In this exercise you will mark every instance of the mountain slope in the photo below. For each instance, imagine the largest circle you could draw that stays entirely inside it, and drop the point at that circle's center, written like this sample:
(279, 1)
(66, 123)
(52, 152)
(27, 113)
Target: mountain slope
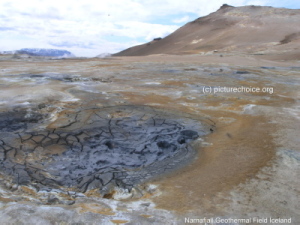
(45, 52)
(251, 29)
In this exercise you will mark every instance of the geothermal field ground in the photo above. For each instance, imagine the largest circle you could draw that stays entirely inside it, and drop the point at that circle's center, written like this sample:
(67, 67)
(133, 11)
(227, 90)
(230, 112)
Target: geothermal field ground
(156, 139)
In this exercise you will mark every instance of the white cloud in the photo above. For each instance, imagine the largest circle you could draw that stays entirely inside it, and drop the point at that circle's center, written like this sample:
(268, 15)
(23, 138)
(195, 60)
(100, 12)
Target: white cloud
(84, 26)
(182, 19)
(147, 30)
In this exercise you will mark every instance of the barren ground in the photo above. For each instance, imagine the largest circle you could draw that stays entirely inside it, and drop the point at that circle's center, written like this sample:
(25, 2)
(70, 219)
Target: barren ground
(248, 166)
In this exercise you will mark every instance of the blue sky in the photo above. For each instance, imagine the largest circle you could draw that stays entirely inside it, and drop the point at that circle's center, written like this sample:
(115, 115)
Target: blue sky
(92, 27)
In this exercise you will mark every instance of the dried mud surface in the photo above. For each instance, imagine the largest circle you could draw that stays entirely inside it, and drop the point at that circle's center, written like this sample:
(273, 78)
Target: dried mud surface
(98, 148)
(171, 150)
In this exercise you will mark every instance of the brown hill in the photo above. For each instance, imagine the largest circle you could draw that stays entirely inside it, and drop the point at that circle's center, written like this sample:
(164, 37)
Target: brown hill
(249, 29)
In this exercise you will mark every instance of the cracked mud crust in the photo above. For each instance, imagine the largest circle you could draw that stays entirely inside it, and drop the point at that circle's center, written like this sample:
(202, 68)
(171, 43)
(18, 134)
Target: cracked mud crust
(97, 148)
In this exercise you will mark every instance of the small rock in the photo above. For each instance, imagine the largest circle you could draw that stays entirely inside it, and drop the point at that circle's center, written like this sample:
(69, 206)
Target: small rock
(52, 199)
(8, 185)
(14, 187)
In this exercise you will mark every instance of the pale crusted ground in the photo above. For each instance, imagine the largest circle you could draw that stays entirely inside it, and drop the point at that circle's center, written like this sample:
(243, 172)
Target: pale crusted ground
(248, 167)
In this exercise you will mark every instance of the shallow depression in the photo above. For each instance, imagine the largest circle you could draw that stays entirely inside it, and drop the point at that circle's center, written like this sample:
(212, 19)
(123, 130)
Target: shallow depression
(100, 148)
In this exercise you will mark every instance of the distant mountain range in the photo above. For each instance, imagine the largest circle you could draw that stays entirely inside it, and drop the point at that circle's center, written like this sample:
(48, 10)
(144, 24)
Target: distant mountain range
(45, 52)
(247, 29)
(41, 52)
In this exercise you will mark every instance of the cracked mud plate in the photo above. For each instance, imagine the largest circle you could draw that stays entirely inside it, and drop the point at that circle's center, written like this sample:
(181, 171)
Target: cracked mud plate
(96, 148)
